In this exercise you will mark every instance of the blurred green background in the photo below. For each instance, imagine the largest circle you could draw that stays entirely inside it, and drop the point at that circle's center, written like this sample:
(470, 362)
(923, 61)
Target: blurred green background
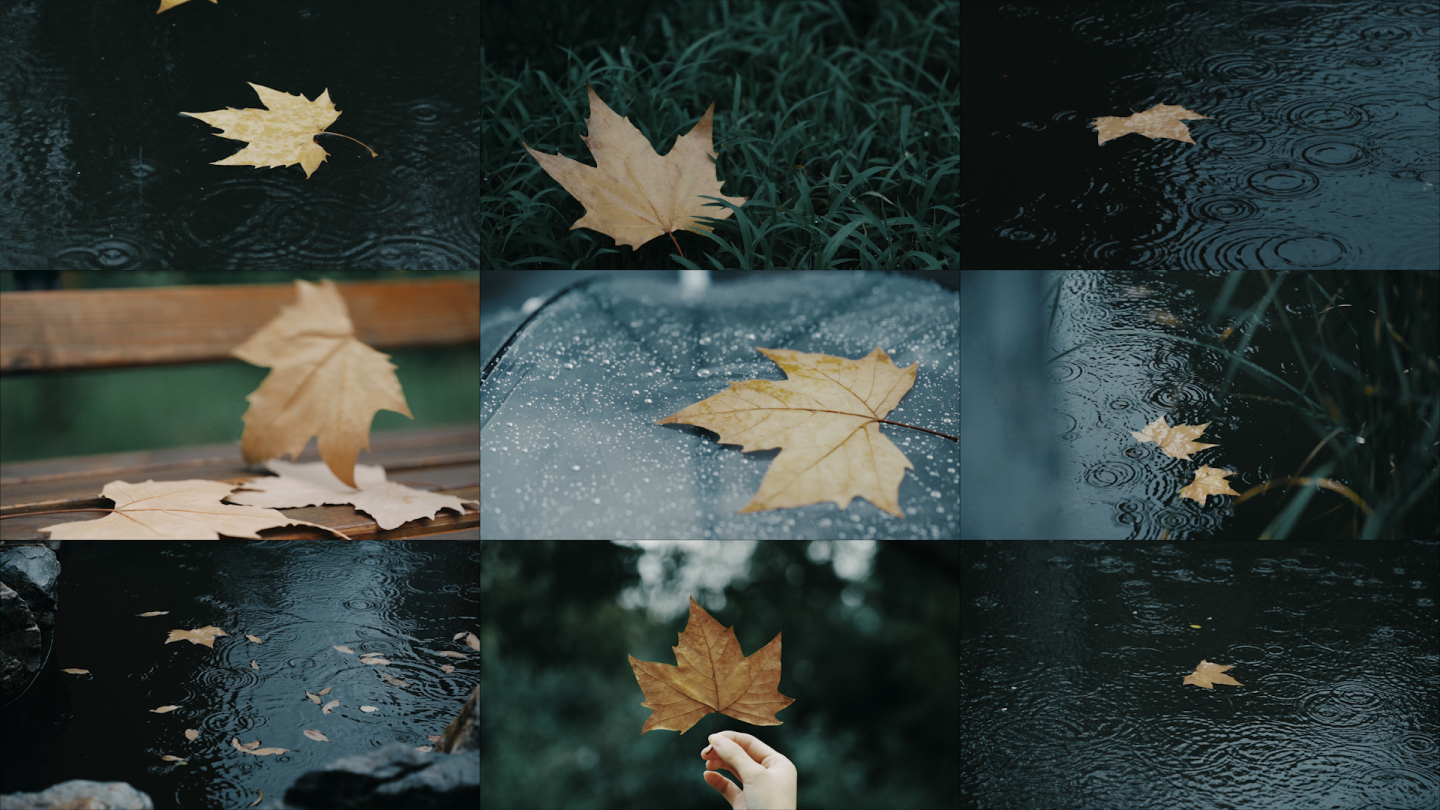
(870, 653)
(149, 408)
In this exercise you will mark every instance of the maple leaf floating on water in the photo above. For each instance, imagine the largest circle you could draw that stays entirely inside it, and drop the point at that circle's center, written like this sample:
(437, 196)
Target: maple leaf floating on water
(282, 135)
(323, 382)
(200, 635)
(1160, 121)
(632, 194)
(166, 5)
(713, 676)
(1175, 442)
(1208, 673)
(174, 510)
(824, 418)
(1208, 481)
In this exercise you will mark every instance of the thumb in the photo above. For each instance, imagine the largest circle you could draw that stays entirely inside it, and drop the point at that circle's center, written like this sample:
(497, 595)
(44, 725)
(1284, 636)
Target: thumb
(736, 757)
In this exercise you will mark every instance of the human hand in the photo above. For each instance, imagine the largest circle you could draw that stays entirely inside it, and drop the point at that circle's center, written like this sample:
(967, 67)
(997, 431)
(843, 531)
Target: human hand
(769, 777)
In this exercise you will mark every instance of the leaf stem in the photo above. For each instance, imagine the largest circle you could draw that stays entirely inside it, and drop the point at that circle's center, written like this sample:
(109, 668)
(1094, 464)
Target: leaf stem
(927, 430)
(373, 153)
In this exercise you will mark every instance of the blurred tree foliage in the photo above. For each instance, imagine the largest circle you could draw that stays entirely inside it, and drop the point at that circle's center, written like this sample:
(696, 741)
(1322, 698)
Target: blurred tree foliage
(872, 661)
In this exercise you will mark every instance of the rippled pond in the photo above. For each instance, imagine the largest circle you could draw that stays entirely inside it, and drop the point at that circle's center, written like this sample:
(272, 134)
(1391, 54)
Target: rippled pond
(1317, 151)
(1074, 693)
(402, 600)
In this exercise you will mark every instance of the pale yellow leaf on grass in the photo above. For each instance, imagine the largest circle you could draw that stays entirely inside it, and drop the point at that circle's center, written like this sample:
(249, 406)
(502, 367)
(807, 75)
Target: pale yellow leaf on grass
(77, 671)
(825, 419)
(632, 194)
(368, 709)
(315, 735)
(322, 382)
(255, 639)
(328, 706)
(155, 613)
(345, 650)
(164, 709)
(192, 734)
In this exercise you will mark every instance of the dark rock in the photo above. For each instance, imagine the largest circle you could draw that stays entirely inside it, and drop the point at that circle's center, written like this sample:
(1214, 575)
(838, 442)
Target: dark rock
(27, 615)
(80, 794)
(395, 777)
(463, 733)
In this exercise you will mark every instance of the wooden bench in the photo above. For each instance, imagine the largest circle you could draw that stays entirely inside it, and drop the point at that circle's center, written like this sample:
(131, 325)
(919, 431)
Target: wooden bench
(55, 330)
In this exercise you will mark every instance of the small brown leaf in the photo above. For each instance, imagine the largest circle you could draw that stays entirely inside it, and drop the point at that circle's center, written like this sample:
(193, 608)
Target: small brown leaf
(315, 735)
(259, 752)
(376, 661)
(164, 709)
(77, 671)
(254, 665)
(192, 734)
(325, 691)
(368, 709)
(446, 668)
(251, 746)
(449, 654)
(1160, 121)
(424, 749)
(472, 642)
(314, 698)
(435, 738)
(328, 706)
(391, 680)
(255, 639)
(155, 613)
(1175, 442)
(1207, 673)
(345, 650)
(169, 758)
(257, 800)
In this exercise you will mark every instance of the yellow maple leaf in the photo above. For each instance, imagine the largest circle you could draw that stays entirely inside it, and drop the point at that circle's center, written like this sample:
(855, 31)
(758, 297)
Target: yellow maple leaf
(1160, 121)
(1175, 442)
(1208, 481)
(174, 510)
(323, 382)
(282, 135)
(1207, 673)
(825, 418)
(166, 5)
(200, 635)
(632, 194)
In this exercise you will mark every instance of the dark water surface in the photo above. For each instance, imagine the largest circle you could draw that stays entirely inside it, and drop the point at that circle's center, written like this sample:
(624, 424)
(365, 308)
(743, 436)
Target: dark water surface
(1074, 695)
(99, 171)
(404, 600)
(1321, 149)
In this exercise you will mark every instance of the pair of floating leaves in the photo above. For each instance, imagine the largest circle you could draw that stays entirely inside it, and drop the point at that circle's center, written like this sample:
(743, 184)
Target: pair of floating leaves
(1179, 442)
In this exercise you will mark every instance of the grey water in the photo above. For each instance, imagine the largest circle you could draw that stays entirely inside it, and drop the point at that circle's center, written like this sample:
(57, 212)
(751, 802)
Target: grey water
(403, 600)
(1075, 654)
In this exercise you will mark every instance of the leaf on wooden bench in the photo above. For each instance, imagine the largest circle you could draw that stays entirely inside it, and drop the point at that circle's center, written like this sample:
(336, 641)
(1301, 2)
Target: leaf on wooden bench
(312, 484)
(175, 510)
(323, 382)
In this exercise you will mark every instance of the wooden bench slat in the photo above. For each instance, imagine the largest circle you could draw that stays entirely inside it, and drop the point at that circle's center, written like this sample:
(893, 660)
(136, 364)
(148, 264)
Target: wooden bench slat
(446, 457)
(52, 330)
